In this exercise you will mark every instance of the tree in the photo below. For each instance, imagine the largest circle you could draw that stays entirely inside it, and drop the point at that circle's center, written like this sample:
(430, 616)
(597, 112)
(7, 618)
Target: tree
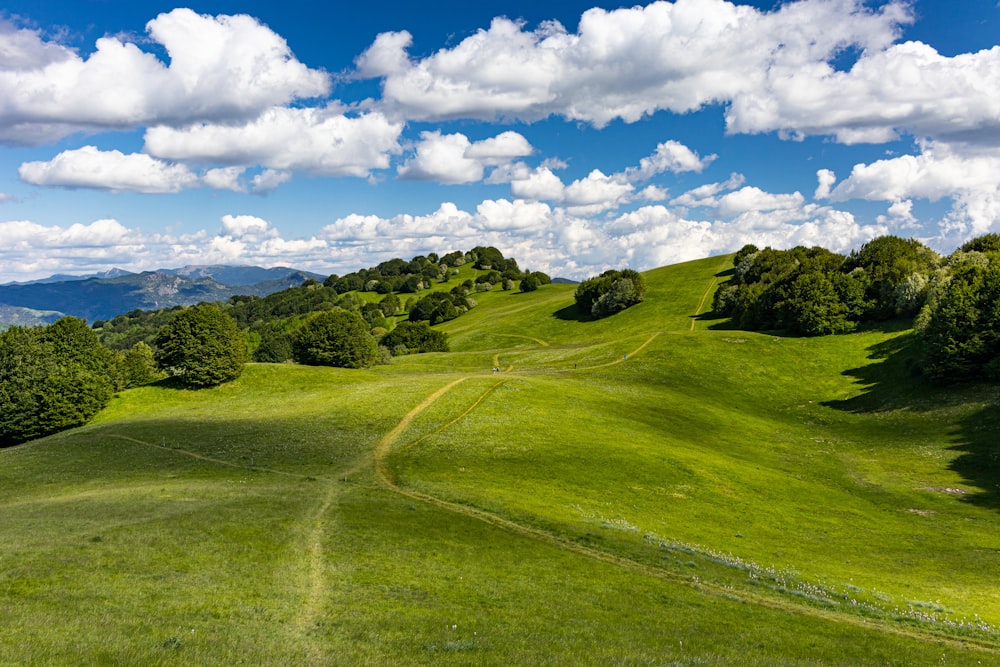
(51, 378)
(984, 243)
(621, 295)
(335, 338)
(201, 347)
(961, 340)
(438, 307)
(390, 305)
(416, 337)
(138, 366)
(610, 292)
(888, 262)
(814, 308)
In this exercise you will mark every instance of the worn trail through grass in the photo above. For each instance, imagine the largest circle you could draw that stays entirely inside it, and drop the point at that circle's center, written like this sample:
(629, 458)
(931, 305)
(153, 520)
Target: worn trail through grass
(708, 290)
(385, 476)
(315, 582)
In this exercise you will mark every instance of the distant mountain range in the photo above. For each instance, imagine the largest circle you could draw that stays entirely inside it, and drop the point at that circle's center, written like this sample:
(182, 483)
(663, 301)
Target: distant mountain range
(102, 296)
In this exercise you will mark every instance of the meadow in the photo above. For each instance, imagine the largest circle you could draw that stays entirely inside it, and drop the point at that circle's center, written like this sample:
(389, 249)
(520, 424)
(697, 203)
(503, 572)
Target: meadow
(648, 489)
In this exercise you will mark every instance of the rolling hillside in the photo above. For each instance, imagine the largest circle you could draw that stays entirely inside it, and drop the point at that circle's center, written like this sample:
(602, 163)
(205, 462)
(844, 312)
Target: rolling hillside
(100, 297)
(650, 488)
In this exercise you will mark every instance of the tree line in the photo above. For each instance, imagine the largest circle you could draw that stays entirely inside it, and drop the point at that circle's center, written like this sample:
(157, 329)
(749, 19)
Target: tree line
(59, 376)
(953, 301)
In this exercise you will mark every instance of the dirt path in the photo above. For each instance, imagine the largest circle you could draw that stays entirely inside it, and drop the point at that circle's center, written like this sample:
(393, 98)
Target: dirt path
(314, 580)
(532, 338)
(704, 297)
(209, 459)
(625, 356)
(543, 536)
(382, 448)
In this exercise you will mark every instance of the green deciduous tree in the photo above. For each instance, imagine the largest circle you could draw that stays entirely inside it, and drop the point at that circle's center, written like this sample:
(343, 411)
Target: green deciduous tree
(51, 378)
(335, 338)
(138, 366)
(610, 292)
(961, 338)
(415, 337)
(201, 347)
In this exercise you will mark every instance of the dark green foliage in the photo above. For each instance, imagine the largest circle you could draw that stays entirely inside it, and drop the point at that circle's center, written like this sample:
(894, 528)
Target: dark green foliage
(744, 252)
(390, 305)
(335, 338)
(51, 379)
(122, 332)
(275, 347)
(415, 337)
(439, 307)
(373, 315)
(487, 258)
(812, 291)
(201, 347)
(529, 283)
(814, 307)
(985, 243)
(889, 261)
(961, 339)
(610, 292)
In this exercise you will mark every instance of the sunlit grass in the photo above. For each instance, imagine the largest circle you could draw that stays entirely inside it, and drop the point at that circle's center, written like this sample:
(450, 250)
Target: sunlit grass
(718, 498)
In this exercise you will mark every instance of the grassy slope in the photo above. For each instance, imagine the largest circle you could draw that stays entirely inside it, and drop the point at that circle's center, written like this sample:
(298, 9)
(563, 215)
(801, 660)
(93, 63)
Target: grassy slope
(673, 508)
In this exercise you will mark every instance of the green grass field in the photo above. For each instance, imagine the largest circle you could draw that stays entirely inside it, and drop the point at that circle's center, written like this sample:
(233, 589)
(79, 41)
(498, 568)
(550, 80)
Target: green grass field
(648, 489)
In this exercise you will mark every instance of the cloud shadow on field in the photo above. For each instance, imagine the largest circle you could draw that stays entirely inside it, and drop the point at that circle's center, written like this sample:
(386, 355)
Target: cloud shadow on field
(893, 382)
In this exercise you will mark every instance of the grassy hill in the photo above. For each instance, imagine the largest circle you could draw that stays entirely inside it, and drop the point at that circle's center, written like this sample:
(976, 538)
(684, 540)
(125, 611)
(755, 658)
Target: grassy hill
(645, 489)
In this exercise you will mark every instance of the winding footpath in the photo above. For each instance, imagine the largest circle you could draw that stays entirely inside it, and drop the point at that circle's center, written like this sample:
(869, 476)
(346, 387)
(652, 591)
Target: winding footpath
(316, 579)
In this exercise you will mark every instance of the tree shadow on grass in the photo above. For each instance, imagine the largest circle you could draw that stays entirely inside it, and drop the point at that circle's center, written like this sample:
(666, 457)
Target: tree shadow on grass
(978, 438)
(573, 313)
(893, 383)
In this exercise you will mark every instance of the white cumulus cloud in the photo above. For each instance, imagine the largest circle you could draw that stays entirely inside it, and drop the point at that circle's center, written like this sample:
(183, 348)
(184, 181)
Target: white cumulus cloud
(316, 140)
(89, 167)
(624, 63)
(221, 68)
(453, 158)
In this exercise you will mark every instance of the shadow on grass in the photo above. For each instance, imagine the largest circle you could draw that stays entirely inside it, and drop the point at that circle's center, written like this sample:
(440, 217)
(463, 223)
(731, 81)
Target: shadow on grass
(573, 313)
(892, 382)
(978, 438)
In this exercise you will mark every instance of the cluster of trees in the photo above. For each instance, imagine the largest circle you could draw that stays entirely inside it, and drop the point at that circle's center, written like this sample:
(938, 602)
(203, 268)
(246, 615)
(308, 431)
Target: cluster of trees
(59, 376)
(610, 292)
(959, 324)
(954, 301)
(400, 276)
(380, 295)
(813, 291)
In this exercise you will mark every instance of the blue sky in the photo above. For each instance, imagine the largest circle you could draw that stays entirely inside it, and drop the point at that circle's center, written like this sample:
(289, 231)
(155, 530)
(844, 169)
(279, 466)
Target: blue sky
(574, 136)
